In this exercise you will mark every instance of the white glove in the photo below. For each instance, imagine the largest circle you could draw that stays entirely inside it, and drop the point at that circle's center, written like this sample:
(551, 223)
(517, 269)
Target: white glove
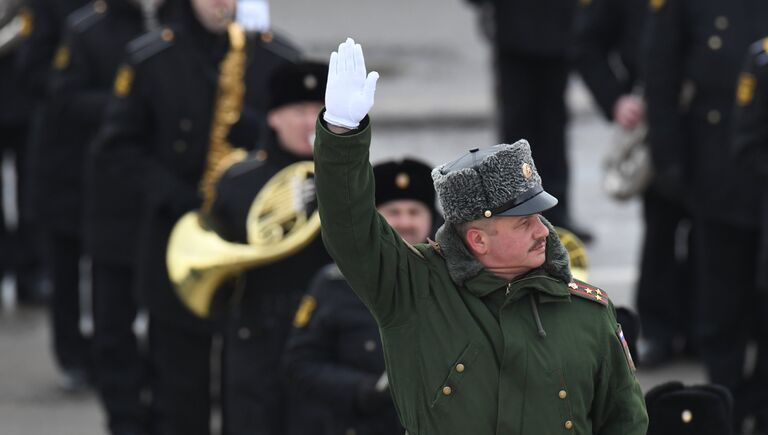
(349, 92)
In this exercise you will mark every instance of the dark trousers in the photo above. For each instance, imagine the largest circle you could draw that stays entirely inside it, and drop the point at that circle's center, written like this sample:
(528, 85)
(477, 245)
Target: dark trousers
(180, 380)
(120, 367)
(732, 313)
(531, 100)
(71, 348)
(665, 296)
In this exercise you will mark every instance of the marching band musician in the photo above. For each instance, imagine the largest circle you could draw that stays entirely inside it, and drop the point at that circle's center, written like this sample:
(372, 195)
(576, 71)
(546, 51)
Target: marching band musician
(95, 38)
(157, 135)
(266, 297)
(334, 355)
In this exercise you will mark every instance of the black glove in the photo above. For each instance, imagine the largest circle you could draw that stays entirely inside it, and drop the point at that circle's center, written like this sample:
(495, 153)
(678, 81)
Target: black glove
(370, 400)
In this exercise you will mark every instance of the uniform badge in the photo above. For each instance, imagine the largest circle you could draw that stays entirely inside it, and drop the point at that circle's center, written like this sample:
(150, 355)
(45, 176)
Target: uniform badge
(402, 180)
(304, 313)
(61, 58)
(745, 91)
(27, 22)
(527, 171)
(310, 82)
(123, 81)
(656, 5)
(625, 346)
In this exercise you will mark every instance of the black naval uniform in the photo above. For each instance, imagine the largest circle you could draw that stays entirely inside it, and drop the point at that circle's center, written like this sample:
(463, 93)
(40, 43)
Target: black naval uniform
(607, 33)
(750, 143)
(531, 41)
(335, 358)
(93, 48)
(156, 136)
(62, 246)
(260, 318)
(695, 51)
(18, 255)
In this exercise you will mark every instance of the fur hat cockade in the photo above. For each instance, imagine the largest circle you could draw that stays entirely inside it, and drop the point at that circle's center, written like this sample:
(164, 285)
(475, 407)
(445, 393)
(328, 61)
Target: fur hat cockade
(498, 180)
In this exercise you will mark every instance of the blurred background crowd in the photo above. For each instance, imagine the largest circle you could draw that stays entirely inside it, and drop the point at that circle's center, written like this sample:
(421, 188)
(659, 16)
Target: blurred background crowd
(648, 119)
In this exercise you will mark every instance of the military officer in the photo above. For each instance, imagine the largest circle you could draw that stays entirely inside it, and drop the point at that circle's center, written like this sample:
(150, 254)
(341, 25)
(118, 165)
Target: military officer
(95, 39)
(484, 331)
(695, 50)
(260, 318)
(335, 354)
(607, 31)
(156, 137)
(750, 143)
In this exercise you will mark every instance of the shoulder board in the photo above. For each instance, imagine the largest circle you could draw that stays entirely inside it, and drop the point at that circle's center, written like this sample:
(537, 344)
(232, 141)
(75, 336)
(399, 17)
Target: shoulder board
(436, 247)
(332, 272)
(414, 250)
(84, 18)
(278, 45)
(586, 291)
(150, 43)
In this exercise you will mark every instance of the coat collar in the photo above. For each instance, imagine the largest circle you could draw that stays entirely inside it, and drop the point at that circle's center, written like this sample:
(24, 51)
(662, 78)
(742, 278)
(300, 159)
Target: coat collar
(467, 272)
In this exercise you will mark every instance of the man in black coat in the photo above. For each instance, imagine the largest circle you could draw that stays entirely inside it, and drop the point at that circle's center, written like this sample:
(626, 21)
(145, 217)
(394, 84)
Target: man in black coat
(607, 54)
(334, 356)
(61, 248)
(93, 46)
(750, 144)
(695, 52)
(259, 319)
(530, 48)
(156, 136)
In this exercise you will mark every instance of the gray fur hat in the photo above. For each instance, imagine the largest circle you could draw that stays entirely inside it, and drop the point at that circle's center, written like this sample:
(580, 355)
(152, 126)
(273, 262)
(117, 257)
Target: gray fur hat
(498, 180)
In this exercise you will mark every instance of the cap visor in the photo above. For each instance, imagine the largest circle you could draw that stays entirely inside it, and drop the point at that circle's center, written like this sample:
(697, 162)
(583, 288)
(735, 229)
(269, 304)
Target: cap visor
(537, 204)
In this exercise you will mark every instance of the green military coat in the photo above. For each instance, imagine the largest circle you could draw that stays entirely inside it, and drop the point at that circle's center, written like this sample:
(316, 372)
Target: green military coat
(467, 352)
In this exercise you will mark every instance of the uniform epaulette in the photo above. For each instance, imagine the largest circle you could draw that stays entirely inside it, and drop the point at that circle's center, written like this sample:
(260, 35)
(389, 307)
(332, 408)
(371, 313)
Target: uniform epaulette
(84, 18)
(332, 272)
(150, 43)
(586, 291)
(278, 45)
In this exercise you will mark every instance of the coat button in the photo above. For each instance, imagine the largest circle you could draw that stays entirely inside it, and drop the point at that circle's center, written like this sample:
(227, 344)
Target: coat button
(262, 155)
(447, 391)
(185, 125)
(370, 345)
(180, 146)
(687, 416)
(244, 333)
(569, 425)
(721, 22)
(562, 394)
(713, 117)
(460, 368)
(715, 42)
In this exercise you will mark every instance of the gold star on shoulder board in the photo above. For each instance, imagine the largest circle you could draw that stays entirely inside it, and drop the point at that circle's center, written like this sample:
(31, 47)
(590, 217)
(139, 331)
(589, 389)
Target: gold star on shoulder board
(589, 291)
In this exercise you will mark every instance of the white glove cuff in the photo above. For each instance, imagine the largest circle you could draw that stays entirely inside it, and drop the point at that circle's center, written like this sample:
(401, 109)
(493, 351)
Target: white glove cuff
(339, 122)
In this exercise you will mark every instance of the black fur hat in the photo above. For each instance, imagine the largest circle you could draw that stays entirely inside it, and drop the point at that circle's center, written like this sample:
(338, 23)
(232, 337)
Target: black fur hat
(406, 179)
(296, 83)
(674, 409)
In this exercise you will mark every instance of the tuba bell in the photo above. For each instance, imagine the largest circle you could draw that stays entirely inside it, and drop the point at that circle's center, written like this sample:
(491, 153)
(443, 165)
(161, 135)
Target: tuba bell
(281, 220)
(577, 253)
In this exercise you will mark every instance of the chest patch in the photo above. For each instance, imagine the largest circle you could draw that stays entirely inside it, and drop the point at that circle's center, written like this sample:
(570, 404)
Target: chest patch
(625, 347)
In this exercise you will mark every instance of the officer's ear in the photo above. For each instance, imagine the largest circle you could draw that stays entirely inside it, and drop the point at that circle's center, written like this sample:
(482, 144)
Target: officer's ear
(476, 240)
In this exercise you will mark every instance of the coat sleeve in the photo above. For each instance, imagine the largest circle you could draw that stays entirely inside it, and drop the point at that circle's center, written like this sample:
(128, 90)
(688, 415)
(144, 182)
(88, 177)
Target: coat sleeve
(378, 264)
(618, 406)
(665, 56)
(72, 86)
(597, 30)
(126, 143)
(309, 359)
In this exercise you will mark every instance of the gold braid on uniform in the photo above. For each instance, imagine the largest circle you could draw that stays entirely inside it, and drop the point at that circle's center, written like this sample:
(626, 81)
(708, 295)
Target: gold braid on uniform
(226, 112)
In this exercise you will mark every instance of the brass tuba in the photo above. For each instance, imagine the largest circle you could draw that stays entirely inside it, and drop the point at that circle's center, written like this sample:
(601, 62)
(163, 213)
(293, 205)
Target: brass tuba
(279, 224)
(577, 253)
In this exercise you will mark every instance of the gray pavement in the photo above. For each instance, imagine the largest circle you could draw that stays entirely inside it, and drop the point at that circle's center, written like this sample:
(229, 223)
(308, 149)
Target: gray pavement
(434, 101)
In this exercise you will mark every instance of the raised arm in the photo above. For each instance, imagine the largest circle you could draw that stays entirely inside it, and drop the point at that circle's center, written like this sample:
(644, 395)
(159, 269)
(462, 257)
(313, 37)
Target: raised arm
(371, 255)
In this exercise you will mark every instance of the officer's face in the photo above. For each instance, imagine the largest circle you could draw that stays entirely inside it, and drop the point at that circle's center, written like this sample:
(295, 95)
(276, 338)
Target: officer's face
(411, 219)
(294, 125)
(510, 245)
(214, 15)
